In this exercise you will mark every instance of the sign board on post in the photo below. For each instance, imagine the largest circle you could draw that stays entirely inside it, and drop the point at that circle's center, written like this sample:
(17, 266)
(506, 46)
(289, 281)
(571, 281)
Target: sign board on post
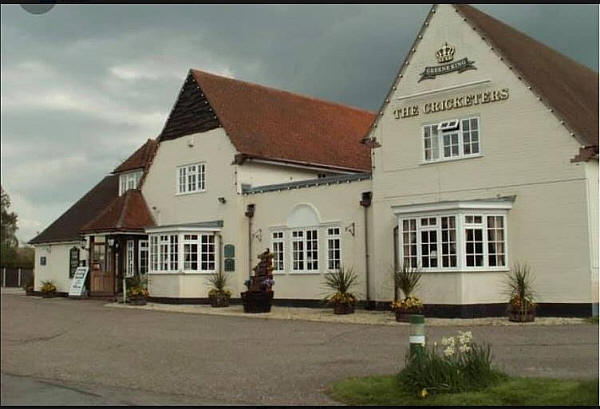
(78, 283)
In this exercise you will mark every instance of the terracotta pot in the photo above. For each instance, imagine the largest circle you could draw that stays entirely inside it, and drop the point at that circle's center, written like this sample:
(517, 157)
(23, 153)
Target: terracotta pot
(219, 301)
(137, 300)
(343, 308)
(257, 301)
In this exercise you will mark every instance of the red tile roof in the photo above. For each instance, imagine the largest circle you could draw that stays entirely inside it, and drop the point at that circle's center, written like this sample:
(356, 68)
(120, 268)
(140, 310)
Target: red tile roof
(140, 158)
(128, 212)
(66, 227)
(569, 88)
(276, 125)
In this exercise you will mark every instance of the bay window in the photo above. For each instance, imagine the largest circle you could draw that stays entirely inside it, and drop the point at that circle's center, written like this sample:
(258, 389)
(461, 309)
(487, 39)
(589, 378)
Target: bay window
(456, 236)
(451, 139)
(183, 252)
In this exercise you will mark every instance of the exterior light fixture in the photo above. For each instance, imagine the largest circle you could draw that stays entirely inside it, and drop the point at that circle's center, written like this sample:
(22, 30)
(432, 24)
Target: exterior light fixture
(222, 200)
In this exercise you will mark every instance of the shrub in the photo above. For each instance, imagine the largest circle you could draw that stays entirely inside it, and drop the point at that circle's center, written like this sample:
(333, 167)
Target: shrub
(48, 287)
(462, 366)
(341, 281)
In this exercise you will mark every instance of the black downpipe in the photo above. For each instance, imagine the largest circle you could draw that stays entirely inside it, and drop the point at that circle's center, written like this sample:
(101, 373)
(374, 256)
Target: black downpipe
(366, 203)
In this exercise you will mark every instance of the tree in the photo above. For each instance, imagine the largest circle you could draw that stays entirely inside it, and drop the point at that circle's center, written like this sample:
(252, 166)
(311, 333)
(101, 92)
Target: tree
(8, 228)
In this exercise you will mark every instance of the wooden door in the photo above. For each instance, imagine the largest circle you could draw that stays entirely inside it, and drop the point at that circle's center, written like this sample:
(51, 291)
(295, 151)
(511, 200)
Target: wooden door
(102, 280)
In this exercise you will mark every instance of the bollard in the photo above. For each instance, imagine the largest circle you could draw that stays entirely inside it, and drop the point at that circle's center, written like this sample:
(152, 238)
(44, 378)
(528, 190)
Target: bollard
(417, 333)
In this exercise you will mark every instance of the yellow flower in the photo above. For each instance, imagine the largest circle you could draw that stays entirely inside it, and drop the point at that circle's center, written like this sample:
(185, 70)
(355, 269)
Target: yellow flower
(423, 393)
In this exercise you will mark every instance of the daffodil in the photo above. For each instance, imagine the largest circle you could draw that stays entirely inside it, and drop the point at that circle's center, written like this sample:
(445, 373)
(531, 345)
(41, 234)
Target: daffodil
(423, 393)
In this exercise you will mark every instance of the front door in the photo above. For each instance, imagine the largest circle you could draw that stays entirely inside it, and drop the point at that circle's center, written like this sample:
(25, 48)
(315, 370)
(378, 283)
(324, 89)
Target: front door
(102, 280)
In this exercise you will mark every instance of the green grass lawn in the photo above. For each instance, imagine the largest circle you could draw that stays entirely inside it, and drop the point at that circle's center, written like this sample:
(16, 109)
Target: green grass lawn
(385, 391)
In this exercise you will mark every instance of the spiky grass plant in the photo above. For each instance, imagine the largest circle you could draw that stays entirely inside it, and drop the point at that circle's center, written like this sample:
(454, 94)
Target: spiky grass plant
(519, 288)
(218, 280)
(407, 279)
(341, 281)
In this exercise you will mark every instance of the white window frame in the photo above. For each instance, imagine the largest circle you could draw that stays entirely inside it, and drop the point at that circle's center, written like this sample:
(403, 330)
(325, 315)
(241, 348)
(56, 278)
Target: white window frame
(304, 241)
(130, 268)
(198, 177)
(440, 140)
(278, 238)
(176, 243)
(332, 237)
(143, 247)
(129, 180)
(460, 211)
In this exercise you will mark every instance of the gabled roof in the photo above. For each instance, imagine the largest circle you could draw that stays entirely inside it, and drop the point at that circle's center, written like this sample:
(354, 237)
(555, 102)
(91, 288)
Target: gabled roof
(569, 88)
(140, 158)
(271, 124)
(66, 227)
(126, 213)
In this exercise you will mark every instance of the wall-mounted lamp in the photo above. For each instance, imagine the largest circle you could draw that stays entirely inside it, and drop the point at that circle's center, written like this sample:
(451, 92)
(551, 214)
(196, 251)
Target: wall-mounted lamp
(111, 242)
(258, 235)
(350, 228)
(222, 200)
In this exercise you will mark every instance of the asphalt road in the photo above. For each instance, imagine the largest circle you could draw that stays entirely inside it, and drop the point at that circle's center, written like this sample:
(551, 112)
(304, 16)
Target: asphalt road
(80, 351)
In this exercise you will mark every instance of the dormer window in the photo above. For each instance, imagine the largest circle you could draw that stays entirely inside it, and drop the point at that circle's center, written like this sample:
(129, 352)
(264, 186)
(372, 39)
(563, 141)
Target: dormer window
(451, 139)
(129, 180)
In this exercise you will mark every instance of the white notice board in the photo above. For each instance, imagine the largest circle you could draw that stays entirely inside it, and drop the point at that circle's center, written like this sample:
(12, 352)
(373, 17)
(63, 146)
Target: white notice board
(78, 283)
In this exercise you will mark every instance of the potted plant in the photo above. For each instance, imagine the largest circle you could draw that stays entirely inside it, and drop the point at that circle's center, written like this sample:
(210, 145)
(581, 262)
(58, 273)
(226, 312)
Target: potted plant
(341, 281)
(28, 286)
(218, 295)
(48, 289)
(519, 287)
(137, 291)
(407, 280)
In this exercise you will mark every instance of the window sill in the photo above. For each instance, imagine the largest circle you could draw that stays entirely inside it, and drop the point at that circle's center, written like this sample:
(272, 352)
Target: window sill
(480, 155)
(300, 273)
(190, 193)
(468, 270)
(180, 273)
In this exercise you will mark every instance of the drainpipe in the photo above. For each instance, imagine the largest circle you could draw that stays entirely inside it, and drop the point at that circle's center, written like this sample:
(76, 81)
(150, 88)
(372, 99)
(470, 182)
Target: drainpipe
(249, 214)
(366, 203)
(395, 263)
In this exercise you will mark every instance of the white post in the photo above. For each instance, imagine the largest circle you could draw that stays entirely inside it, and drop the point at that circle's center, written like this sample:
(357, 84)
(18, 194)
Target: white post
(19, 278)
(4, 277)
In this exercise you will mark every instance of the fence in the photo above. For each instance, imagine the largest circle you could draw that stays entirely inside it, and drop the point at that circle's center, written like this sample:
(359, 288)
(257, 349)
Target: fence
(16, 277)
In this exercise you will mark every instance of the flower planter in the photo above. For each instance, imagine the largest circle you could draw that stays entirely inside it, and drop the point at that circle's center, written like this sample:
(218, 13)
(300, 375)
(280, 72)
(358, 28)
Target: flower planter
(219, 301)
(343, 308)
(518, 317)
(137, 300)
(48, 294)
(404, 316)
(257, 301)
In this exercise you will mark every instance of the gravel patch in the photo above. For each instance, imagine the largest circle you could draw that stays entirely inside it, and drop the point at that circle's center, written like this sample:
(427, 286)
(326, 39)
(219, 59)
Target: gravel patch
(359, 317)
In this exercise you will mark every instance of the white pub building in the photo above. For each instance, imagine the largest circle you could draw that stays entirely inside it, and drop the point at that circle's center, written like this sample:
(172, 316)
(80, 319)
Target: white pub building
(484, 153)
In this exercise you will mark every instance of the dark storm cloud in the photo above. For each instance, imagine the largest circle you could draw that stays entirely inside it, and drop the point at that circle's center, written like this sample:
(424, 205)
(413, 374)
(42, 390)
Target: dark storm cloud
(84, 85)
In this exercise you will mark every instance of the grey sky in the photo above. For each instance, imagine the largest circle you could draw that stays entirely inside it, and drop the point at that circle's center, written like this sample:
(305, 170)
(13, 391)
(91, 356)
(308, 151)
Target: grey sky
(84, 85)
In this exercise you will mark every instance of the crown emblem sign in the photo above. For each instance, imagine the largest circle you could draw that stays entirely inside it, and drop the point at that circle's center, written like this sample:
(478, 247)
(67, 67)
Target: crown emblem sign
(445, 54)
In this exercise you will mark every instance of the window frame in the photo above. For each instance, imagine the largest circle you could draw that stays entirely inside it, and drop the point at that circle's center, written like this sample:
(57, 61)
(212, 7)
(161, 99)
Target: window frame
(304, 241)
(199, 179)
(71, 269)
(281, 240)
(126, 177)
(440, 140)
(143, 247)
(332, 237)
(460, 243)
(178, 246)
